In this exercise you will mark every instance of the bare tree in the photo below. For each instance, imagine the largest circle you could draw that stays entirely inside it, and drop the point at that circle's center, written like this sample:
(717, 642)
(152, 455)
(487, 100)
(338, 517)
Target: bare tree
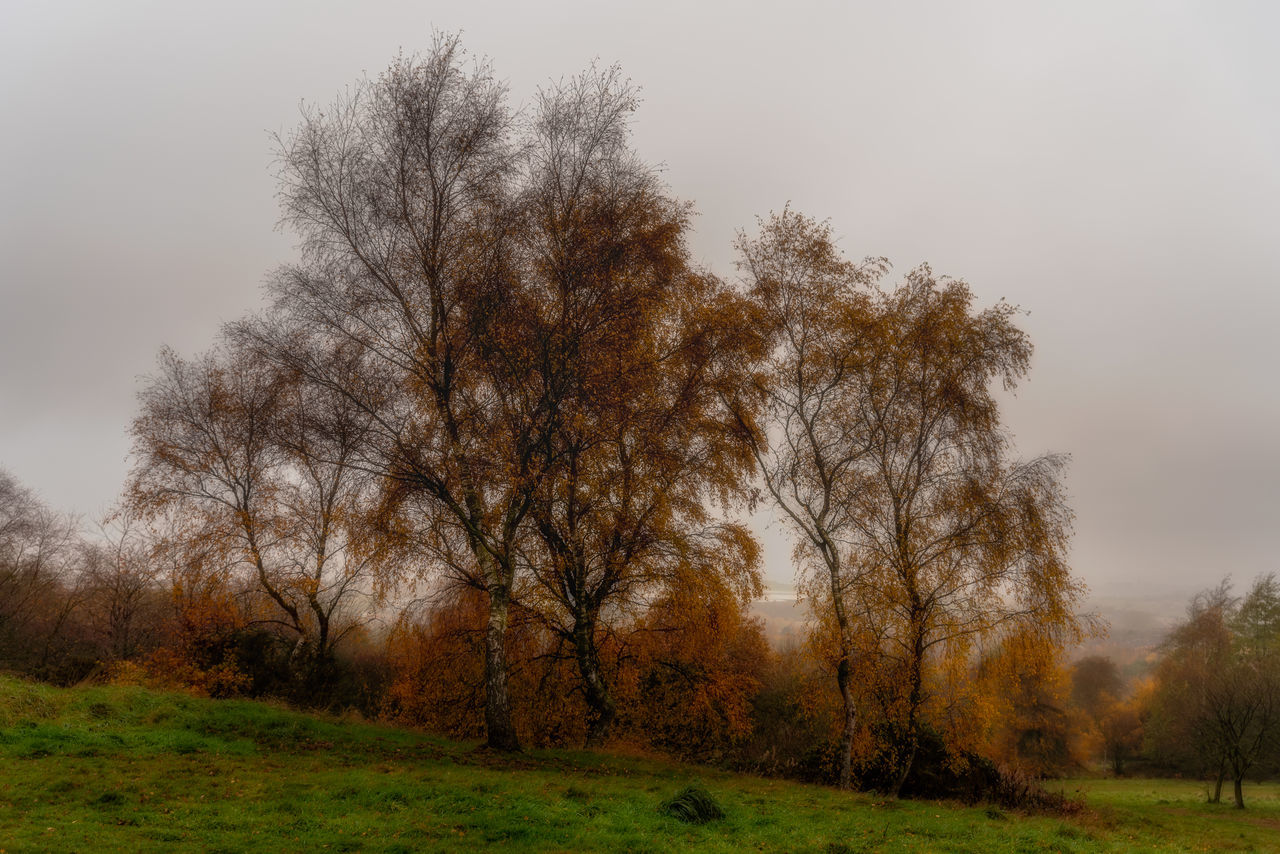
(257, 474)
(408, 305)
(39, 589)
(124, 602)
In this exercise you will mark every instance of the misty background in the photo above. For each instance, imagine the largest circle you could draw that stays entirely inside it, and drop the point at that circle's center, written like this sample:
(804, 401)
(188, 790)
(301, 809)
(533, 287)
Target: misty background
(1110, 167)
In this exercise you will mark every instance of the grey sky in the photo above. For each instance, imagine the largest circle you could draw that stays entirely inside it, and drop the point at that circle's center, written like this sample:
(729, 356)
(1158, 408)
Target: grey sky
(1114, 168)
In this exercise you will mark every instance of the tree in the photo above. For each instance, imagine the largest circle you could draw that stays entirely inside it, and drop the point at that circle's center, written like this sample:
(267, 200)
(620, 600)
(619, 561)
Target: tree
(1217, 696)
(1095, 684)
(124, 601)
(957, 540)
(1121, 727)
(1098, 689)
(256, 471)
(1256, 622)
(891, 460)
(408, 303)
(39, 588)
(694, 662)
(1031, 728)
(812, 303)
(519, 318)
(644, 352)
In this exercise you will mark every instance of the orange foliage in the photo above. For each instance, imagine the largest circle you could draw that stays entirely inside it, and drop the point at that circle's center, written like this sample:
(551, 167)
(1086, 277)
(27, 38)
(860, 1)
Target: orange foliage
(1031, 726)
(197, 643)
(1121, 729)
(692, 667)
(438, 676)
(437, 666)
(685, 674)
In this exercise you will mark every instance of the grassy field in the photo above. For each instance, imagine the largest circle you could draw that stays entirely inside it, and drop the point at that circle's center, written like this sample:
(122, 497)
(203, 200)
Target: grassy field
(125, 769)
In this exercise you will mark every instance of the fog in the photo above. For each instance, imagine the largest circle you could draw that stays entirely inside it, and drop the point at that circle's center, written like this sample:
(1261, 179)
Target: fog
(1111, 168)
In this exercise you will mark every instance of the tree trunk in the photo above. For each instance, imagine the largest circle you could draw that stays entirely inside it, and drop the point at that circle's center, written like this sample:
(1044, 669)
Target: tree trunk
(913, 704)
(905, 770)
(501, 733)
(599, 698)
(1239, 792)
(843, 679)
(1217, 788)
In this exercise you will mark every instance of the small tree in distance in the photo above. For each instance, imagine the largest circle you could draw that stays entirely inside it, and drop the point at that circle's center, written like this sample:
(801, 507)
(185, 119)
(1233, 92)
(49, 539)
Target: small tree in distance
(1216, 703)
(123, 597)
(39, 591)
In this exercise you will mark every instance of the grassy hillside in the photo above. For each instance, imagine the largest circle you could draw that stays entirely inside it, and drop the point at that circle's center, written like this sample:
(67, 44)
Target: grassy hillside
(127, 769)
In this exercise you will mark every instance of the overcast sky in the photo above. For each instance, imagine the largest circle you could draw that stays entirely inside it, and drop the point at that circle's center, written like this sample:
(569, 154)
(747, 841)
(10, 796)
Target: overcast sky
(1113, 168)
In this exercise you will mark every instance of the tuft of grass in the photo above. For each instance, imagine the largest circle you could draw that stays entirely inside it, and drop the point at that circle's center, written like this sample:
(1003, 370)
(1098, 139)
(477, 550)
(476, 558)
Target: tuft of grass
(102, 711)
(693, 805)
(108, 799)
(24, 703)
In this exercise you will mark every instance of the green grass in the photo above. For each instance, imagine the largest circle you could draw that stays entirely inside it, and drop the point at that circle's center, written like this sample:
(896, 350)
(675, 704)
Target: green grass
(1179, 810)
(126, 769)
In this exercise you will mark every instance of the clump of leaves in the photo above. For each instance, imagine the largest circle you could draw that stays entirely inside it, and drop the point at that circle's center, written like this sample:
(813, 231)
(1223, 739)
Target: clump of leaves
(693, 805)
